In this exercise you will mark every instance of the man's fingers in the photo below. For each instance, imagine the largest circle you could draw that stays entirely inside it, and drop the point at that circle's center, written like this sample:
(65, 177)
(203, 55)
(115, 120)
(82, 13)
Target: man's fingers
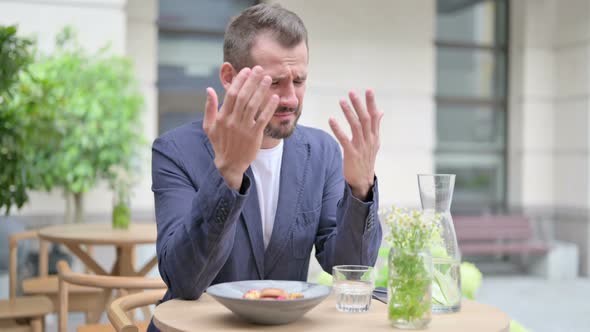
(246, 92)
(257, 99)
(232, 93)
(339, 133)
(378, 126)
(210, 109)
(374, 113)
(361, 112)
(353, 121)
(267, 112)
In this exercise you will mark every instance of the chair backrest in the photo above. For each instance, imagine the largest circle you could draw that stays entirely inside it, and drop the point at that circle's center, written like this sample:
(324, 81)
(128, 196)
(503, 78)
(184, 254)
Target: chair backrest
(67, 276)
(118, 309)
(13, 260)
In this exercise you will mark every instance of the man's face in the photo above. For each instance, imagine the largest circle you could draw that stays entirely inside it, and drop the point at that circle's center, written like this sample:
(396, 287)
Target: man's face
(288, 69)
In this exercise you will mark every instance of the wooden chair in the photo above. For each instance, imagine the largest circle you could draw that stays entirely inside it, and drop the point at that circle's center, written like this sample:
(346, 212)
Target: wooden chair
(24, 314)
(118, 309)
(82, 299)
(108, 283)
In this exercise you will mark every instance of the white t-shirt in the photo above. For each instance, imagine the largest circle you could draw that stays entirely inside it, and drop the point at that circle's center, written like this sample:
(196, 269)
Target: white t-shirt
(267, 175)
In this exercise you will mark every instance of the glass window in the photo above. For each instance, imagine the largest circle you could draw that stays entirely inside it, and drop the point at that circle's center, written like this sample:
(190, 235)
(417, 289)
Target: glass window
(470, 128)
(478, 184)
(471, 21)
(471, 67)
(190, 52)
(464, 72)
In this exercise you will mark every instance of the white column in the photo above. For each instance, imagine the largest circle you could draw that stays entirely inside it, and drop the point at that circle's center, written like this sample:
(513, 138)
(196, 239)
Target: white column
(141, 47)
(572, 124)
(389, 46)
(531, 112)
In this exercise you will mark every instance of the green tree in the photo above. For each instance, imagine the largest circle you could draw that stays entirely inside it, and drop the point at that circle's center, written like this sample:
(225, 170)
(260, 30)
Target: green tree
(15, 55)
(83, 116)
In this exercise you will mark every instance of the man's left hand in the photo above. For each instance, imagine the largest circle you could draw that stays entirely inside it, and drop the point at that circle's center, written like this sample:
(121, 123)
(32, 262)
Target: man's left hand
(360, 152)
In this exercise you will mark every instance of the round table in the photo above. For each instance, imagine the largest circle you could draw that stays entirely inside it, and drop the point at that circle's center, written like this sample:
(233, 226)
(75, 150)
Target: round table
(74, 236)
(77, 238)
(206, 314)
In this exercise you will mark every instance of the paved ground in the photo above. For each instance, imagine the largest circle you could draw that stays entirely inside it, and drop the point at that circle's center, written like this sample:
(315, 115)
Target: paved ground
(538, 304)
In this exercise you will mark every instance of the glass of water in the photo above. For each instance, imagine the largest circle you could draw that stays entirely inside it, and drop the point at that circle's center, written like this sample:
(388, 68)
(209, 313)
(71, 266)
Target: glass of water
(353, 286)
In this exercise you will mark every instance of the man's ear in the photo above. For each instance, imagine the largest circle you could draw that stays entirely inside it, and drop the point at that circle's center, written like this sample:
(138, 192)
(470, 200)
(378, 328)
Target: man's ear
(227, 74)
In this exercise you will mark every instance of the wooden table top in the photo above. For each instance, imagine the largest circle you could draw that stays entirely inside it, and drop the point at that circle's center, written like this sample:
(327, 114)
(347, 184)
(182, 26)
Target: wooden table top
(208, 315)
(100, 234)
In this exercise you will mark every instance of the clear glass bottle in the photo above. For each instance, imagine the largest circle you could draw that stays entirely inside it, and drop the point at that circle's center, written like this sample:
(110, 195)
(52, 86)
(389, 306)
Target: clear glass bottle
(409, 285)
(121, 217)
(436, 194)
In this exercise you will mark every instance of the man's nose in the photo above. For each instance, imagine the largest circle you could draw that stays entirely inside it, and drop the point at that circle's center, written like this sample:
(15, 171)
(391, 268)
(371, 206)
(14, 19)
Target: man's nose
(288, 97)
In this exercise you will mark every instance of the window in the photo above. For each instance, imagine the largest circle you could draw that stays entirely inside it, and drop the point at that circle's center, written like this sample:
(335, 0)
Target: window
(190, 52)
(471, 101)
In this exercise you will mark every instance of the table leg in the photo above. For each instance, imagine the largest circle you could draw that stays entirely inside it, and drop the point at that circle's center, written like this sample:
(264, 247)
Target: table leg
(126, 267)
(125, 261)
(93, 316)
(36, 325)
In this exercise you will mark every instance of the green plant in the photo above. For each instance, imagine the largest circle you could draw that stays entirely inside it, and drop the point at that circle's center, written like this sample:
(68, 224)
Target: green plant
(410, 263)
(87, 112)
(15, 55)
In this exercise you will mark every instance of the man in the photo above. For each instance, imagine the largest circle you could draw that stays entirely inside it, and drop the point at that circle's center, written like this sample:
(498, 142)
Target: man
(247, 193)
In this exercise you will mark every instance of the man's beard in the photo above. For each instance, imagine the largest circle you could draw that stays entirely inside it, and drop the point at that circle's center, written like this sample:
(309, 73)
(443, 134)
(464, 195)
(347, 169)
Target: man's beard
(284, 129)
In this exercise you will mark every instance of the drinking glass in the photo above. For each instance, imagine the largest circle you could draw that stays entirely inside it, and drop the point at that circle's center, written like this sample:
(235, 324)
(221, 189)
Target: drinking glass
(353, 286)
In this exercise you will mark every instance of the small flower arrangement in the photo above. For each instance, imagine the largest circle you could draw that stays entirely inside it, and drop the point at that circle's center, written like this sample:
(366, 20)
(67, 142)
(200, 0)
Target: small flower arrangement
(411, 229)
(410, 266)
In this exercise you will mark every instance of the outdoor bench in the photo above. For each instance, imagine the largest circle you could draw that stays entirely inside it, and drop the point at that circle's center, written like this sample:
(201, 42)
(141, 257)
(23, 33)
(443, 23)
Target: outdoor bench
(497, 235)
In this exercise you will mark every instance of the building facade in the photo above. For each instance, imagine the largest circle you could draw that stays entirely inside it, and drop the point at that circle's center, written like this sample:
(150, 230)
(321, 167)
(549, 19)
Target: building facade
(527, 106)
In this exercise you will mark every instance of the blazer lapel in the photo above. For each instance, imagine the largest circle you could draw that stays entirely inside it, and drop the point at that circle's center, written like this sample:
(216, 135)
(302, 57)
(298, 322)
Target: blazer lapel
(294, 165)
(252, 219)
(253, 222)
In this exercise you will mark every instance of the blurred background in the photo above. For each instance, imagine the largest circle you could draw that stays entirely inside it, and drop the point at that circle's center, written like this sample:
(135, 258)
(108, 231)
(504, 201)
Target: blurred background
(494, 91)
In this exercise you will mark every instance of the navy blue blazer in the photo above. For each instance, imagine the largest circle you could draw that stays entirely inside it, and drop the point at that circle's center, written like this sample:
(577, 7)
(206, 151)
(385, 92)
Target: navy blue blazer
(209, 233)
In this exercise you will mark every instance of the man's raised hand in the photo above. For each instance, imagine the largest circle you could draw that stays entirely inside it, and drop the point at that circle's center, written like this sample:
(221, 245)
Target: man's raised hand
(360, 152)
(237, 129)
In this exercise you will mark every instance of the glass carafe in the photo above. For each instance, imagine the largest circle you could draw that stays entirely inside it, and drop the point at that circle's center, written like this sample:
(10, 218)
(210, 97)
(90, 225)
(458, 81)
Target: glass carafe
(436, 194)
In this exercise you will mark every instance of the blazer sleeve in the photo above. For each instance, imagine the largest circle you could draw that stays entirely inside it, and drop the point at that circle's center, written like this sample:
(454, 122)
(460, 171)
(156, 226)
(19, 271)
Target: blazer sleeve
(196, 221)
(349, 230)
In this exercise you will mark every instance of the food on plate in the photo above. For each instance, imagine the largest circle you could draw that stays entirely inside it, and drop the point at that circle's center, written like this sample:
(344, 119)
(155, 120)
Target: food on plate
(271, 294)
(252, 294)
(274, 293)
(294, 296)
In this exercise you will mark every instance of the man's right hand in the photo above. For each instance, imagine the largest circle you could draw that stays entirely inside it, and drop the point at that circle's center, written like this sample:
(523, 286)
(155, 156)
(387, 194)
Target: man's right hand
(236, 131)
